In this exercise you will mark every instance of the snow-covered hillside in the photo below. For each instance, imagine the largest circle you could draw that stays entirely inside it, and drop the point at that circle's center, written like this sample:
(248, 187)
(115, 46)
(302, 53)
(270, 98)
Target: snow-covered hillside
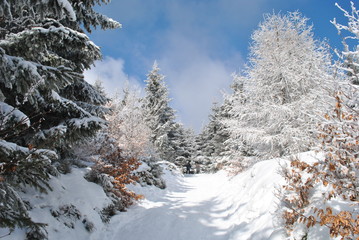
(70, 210)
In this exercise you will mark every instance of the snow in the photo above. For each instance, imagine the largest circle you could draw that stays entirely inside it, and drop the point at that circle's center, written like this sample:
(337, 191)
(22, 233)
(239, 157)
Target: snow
(192, 207)
(8, 148)
(85, 122)
(8, 112)
(67, 5)
(70, 189)
(205, 206)
(143, 167)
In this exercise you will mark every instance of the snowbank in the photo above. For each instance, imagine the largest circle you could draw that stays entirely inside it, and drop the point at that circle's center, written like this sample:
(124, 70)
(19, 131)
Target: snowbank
(71, 210)
(251, 203)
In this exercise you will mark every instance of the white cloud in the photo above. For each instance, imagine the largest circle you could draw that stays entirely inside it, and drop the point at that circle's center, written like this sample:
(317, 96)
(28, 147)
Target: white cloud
(195, 79)
(190, 57)
(111, 72)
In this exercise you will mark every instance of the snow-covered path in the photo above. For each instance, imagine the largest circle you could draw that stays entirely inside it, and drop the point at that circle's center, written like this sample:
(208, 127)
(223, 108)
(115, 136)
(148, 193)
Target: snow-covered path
(189, 212)
(203, 207)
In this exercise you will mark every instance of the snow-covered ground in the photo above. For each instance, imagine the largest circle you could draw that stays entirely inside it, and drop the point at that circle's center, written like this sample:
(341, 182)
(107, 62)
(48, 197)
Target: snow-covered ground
(192, 207)
(205, 206)
(78, 201)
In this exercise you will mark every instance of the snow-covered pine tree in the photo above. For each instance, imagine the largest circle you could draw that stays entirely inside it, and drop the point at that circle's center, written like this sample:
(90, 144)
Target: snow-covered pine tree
(214, 133)
(204, 148)
(183, 146)
(98, 85)
(45, 104)
(220, 131)
(160, 117)
(282, 88)
(188, 143)
(210, 143)
(235, 144)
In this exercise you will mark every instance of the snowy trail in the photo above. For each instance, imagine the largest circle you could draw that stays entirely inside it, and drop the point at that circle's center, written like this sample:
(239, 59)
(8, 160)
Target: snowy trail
(191, 211)
(203, 207)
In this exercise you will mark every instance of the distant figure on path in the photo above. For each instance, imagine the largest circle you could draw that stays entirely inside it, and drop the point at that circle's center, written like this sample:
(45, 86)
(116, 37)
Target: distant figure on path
(188, 167)
(198, 168)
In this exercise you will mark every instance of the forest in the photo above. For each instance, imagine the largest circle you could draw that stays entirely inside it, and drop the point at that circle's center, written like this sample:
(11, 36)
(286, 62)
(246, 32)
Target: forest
(296, 95)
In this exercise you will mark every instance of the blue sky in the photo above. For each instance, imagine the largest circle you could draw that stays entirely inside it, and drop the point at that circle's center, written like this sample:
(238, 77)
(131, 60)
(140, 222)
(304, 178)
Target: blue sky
(197, 43)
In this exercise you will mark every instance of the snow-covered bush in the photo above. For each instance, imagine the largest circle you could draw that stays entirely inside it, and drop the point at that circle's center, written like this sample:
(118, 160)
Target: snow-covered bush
(67, 214)
(326, 192)
(113, 172)
(150, 173)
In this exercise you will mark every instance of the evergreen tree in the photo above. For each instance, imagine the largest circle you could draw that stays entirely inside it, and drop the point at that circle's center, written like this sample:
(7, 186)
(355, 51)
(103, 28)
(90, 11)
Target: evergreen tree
(183, 144)
(211, 142)
(204, 143)
(275, 114)
(204, 149)
(214, 134)
(160, 117)
(219, 130)
(98, 85)
(45, 104)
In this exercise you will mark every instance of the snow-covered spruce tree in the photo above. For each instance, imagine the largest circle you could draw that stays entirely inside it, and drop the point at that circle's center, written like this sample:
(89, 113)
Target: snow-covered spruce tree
(183, 144)
(160, 117)
(98, 85)
(201, 154)
(283, 88)
(211, 141)
(21, 166)
(45, 103)
(217, 129)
